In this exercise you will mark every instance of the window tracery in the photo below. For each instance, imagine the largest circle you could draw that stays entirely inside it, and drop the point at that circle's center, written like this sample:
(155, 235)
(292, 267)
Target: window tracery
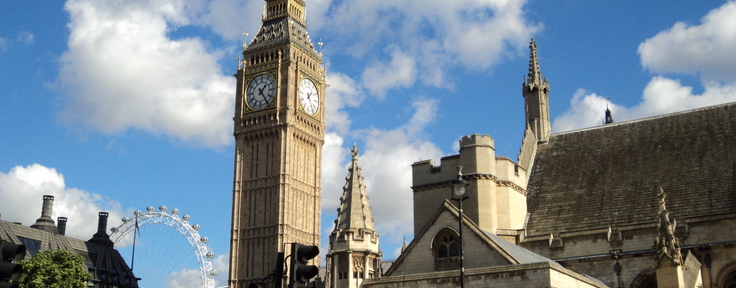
(446, 246)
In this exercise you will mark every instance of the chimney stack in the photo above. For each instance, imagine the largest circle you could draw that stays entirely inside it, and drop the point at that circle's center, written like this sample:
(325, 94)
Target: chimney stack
(101, 236)
(45, 222)
(62, 225)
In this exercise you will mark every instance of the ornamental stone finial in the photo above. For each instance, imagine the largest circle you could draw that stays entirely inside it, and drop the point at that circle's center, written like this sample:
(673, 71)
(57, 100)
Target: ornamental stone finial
(354, 152)
(666, 243)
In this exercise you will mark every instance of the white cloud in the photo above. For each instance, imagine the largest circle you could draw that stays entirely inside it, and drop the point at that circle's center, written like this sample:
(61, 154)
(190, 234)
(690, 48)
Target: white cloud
(334, 170)
(22, 190)
(400, 72)
(436, 34)
(190, 278)
(662, 95)
(343, 92)
(123, 71)
(707, 48)
(226, 17)
(25, 37)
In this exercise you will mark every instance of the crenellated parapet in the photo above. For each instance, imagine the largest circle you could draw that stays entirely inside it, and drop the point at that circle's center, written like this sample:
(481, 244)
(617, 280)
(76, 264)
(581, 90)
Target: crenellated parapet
(497, 190)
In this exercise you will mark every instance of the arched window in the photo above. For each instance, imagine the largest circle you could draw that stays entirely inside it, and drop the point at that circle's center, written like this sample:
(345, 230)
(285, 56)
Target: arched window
(446, 246)
(645, 279)
(727, 276)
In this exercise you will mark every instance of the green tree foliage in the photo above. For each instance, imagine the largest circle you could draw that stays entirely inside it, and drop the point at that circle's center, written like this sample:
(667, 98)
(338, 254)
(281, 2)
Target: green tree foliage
(54, 268)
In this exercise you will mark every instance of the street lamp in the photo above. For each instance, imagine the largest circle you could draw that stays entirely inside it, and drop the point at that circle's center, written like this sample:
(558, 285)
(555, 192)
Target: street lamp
(617, 267)
(459, 190)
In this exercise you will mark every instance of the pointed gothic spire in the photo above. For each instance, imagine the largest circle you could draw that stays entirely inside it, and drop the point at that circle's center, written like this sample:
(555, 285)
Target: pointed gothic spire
(354, 211)
(666, 244)
(535, 74)
(609, 116)
(403, 246)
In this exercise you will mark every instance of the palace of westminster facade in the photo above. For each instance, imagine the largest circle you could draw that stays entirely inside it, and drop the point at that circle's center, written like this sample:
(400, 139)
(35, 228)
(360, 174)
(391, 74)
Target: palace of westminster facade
(569, 209)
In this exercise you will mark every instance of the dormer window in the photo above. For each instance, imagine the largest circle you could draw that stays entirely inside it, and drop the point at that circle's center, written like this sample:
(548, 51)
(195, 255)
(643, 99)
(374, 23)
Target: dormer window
(446, 246)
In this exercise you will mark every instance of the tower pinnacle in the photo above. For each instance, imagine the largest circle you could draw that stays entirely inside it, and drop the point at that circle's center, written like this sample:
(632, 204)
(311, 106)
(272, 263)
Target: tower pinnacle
(535, 91)
(535, 74)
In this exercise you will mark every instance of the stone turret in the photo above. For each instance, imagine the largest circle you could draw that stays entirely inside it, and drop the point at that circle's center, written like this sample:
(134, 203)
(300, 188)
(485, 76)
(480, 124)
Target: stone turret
(536, 92)
(354, 253)
(496, 193)
(45, 222)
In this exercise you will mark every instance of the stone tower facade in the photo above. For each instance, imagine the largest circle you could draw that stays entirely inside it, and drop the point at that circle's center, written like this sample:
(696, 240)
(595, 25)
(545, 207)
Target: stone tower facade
(496, 194)
(354, 253)
(536, 92)
(279, 134)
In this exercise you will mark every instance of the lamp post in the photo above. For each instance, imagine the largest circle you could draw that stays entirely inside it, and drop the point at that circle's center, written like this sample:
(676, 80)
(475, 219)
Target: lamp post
(459, 190)
(708, 261)
(617, 267)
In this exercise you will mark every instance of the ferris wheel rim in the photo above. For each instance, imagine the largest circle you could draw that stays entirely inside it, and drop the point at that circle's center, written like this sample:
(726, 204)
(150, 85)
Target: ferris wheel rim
(182, 225)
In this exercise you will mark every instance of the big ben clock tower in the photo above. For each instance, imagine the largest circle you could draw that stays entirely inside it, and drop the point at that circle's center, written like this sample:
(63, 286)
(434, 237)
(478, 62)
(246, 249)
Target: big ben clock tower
(279, 133)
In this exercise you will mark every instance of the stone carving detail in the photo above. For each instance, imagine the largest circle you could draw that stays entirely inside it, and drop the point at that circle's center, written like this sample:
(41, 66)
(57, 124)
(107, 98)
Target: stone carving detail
(666, 243)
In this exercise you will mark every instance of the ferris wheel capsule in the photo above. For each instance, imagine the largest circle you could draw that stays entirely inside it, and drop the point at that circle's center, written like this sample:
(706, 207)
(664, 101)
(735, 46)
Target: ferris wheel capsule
(162, 208)
(196, 227)
(210, 255)
(214, 272)
(113, 229)
(175, 211)
(149, 208)
(186, 217)
(204, 240)
(125, 219)
(137, 213)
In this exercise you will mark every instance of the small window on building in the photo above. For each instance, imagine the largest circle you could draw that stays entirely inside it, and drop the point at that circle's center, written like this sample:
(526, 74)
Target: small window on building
(32, 246)
(446, 246)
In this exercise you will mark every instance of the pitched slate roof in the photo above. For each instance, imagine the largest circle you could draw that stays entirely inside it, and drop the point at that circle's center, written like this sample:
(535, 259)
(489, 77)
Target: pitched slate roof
(523, 256)
(607, 175)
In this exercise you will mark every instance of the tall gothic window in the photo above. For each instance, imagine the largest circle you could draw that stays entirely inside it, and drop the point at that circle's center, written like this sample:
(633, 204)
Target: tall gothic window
(446, 246)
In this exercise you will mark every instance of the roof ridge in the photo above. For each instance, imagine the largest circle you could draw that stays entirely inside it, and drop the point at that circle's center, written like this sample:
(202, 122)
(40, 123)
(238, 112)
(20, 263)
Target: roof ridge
(648, 118)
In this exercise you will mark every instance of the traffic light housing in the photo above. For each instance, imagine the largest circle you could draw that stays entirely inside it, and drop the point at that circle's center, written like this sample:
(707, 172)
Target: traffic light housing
(299, 271)
(10, 254)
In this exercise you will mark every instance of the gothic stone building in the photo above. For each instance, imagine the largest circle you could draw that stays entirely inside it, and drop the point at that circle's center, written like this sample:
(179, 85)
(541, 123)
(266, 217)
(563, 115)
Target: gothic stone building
(636, 204)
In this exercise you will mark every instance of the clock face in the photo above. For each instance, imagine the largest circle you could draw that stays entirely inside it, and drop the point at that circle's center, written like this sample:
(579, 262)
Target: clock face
(261, 91)
(309, 96)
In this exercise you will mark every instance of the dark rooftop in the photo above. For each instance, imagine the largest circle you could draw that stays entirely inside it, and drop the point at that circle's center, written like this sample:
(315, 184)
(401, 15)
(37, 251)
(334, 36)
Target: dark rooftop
(607, 175)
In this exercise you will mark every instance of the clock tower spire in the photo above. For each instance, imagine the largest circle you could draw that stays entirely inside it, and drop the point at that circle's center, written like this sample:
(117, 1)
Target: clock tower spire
(279, 133)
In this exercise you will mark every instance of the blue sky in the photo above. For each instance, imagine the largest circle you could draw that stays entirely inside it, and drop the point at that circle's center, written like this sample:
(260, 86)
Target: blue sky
(118, 105)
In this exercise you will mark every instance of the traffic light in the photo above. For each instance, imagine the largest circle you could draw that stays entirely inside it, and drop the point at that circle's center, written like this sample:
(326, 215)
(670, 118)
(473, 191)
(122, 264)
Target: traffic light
(10, 253)
(299, 271)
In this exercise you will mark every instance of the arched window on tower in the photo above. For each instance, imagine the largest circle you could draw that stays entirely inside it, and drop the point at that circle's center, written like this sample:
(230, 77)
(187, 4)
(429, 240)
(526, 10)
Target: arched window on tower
(446, 248)
(729, 281)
